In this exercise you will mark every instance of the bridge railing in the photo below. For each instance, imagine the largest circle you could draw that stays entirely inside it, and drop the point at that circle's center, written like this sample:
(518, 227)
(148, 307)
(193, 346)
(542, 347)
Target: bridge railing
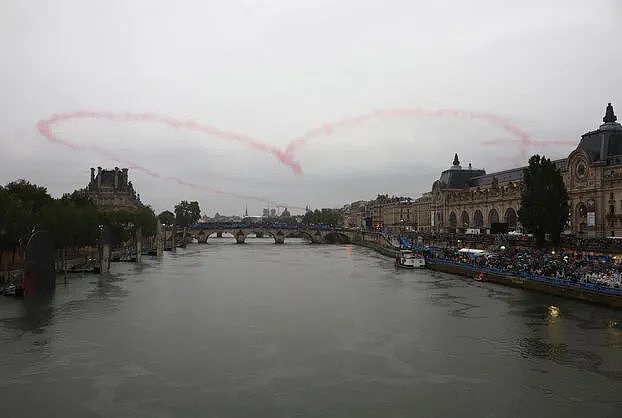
(267, 225)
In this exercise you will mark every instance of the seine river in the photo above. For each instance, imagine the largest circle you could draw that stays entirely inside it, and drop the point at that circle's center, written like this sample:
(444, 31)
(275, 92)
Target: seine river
(260, 330)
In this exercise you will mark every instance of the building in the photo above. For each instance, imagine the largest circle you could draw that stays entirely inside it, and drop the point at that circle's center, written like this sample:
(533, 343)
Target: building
(470, 198)
(110, 190)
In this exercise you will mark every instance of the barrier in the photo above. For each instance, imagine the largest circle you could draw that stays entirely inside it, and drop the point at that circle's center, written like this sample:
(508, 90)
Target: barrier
(542, 279)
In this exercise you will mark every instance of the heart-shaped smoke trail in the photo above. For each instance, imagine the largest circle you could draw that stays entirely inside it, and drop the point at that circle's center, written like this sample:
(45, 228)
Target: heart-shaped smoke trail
(288, 155)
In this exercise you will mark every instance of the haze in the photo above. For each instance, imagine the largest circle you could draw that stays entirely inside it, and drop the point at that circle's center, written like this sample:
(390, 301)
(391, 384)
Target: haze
(274, 70)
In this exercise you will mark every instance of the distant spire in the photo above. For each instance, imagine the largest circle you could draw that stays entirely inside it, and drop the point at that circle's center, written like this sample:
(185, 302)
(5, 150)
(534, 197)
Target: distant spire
(609, 115)
(456, 160)
(246, 211)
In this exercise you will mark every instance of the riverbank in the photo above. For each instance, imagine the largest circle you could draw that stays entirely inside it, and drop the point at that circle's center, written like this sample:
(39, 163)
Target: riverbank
(589, 293)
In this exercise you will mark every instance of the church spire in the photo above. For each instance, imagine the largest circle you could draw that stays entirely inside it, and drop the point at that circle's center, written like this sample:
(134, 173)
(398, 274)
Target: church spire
(456, 160)
(609, 115)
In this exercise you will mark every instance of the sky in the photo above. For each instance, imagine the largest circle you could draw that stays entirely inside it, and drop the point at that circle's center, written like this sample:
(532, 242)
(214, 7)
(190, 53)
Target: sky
(256, 103)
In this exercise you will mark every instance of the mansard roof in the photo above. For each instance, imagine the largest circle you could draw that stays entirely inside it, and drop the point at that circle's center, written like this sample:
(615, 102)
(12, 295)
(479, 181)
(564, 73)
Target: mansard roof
(459, 178)
(514, 175)
(604, 145)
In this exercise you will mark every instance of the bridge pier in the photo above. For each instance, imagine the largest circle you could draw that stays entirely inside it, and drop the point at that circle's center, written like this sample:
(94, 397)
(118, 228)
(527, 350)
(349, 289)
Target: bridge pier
(279, 238)
(160, 238)
(139, 244)
(239, 237)
(105, 248)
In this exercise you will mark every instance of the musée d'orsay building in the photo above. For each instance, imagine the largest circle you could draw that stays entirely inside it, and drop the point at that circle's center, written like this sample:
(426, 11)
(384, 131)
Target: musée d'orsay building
(464, 198)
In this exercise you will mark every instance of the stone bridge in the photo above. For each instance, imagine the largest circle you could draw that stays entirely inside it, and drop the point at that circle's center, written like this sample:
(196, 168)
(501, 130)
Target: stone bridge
(315, 235)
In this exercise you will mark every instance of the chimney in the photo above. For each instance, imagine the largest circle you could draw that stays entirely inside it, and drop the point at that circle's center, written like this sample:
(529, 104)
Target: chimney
(124, 178)
(116, 178)
(99, 178)
(92, 175)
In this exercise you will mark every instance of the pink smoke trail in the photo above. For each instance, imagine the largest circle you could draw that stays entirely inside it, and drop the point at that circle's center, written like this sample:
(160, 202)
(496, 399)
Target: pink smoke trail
(523, 138)
(534, 143)
(45, 128)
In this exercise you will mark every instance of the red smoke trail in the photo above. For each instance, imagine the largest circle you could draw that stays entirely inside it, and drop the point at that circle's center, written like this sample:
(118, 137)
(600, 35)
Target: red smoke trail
(45, 127)
(535, 143)
(523, 138)
(285, 156)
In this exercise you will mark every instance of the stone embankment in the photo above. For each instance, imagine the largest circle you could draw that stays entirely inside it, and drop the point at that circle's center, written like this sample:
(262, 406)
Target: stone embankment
(590, 293)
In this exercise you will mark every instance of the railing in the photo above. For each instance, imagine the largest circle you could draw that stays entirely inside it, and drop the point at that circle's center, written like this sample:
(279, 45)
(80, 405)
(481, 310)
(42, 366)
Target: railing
(542, 279)
(276, 225)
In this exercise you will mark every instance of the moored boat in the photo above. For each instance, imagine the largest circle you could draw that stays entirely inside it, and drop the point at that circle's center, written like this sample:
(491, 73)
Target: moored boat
(409, 260)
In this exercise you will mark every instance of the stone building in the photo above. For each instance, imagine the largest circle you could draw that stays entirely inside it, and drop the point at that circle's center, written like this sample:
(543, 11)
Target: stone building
(592, 173)
(469, 198)
(110, 190)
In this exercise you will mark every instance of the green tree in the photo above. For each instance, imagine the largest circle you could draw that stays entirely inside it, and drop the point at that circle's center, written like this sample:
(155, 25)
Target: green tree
(25, 202)
(187, 213)
(325, 216)
(123, 223)
(167, 217)
(544, 200)
(145, 217)
(12, 220)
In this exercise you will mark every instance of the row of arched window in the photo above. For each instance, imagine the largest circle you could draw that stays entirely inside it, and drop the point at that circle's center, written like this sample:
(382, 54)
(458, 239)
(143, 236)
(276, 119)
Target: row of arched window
(510, 217)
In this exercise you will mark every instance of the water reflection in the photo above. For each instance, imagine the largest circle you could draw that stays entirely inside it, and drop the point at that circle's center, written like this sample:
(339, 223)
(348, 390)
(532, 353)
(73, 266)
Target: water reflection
(317, 327)
(34, 315)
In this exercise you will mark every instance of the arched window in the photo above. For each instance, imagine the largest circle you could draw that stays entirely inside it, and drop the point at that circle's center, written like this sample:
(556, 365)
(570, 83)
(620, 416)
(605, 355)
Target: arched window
(464, 218)
(453, 221)
(478, 219)
(510, 218)
(493, 217)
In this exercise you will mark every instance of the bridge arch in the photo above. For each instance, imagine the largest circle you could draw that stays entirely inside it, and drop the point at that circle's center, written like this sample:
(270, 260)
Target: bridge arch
(229, 235)
(336, 237)
(300, 234)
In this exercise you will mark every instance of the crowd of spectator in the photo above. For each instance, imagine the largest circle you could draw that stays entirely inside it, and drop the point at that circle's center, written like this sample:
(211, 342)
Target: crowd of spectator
(575, 267)
(609, 244)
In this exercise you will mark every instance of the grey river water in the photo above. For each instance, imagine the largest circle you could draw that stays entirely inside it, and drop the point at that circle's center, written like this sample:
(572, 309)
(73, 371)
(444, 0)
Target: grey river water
(260, 330)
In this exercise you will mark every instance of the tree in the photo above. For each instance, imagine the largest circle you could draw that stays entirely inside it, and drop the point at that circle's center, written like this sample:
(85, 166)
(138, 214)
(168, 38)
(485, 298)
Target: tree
(325, 216)
(12, 220)
(146, 218)
(187, 213)
(122, 223)
(24, 206)
(167, 217)
(544, 200)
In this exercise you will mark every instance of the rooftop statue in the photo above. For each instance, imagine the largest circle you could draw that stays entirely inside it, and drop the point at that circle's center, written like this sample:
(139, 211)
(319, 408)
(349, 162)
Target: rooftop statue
(609, 115)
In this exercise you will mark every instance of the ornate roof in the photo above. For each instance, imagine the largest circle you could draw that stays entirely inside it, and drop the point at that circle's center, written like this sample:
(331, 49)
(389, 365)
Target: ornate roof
(605, 143)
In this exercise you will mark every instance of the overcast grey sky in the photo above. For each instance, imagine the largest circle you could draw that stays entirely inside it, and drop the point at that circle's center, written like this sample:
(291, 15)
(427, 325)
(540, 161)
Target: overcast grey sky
(274, 69)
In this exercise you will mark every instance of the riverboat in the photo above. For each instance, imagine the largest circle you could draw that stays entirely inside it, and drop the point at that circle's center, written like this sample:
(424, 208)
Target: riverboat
(407, 259)
(10, 290)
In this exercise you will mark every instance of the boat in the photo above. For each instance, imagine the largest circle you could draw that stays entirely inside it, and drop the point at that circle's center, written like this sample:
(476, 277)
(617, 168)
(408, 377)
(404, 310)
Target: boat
(407, 259)
(10, 290)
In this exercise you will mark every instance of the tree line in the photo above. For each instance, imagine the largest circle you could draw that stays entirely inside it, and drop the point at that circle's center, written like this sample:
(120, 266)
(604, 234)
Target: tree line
(186, 214)
(73, 220)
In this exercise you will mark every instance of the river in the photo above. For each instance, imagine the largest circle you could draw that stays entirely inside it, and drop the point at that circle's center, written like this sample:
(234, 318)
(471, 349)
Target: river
(261, 330)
